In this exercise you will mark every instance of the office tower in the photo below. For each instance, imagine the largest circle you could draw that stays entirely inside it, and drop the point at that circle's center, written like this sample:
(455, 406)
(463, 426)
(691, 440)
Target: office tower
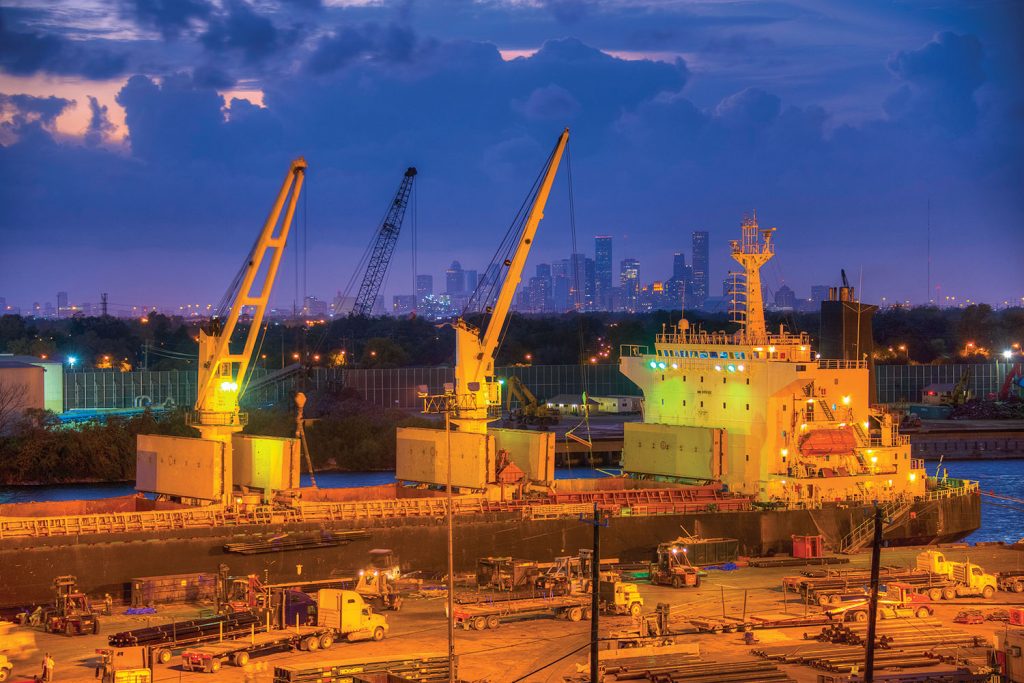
(62, 304)
(455, 279)
(819, 293)
(679, 266)
(603, 272)
(471, 280)
(629, 281)
(403, 304)
(701, 274)
(424, 286)
(785, 298)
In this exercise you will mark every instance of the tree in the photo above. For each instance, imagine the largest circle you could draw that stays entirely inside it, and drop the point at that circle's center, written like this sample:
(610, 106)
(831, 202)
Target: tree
(13, 396)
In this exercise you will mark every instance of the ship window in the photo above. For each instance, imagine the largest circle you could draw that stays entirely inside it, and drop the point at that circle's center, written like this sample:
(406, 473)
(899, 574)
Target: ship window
(663, 378)
(702, 404)
(783, 407)
(748, 381)
(703, 354)
(741, 355)
(748, 406)
(723, 405)
(801, 368)
(662, 401)
(748, 457)
(702, 379)
(782, 355)
(723, 380)
(684, 402)
(684, 378)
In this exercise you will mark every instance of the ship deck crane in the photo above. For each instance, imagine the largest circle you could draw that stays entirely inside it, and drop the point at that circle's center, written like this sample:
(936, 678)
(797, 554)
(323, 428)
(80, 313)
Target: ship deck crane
(222, 372)
(475, 391)
(384, 247)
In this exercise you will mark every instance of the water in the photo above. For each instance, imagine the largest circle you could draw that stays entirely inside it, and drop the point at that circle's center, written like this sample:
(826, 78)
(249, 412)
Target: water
(1000, 520)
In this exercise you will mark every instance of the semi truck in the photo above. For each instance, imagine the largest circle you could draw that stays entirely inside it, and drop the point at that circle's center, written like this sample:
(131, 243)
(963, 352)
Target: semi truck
(341, 614)
(965, 578)
(900, 600)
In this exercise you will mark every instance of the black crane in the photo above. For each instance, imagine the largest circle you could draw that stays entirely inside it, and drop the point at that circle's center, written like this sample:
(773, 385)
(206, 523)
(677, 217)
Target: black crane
(384, 247)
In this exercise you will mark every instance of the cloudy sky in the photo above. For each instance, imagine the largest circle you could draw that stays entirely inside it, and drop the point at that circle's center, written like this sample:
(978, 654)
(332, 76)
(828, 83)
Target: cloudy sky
(142, 141)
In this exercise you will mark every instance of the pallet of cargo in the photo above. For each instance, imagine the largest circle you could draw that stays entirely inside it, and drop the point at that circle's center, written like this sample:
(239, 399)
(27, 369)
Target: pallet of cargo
(428, 668)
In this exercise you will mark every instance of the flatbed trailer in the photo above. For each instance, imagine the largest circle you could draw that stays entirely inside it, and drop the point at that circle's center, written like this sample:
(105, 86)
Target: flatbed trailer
(490, 614)
(211, 656)
(165, 639)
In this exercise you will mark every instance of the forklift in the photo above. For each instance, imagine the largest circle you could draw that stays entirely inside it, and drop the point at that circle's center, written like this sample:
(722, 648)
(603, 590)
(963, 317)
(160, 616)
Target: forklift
(72, 613)
(125, 665)
(673, 568)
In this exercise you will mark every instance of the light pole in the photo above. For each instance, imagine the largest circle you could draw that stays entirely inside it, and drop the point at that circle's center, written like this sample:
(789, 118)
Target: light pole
(451, 546)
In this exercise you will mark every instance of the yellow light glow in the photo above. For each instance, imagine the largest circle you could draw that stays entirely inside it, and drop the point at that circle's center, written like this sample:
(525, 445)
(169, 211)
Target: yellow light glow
(912, 476)
(846, 400)
(785, 451)
(803, 427)
(810, 400)
(771, 349)
(228, 386)
(874, 458)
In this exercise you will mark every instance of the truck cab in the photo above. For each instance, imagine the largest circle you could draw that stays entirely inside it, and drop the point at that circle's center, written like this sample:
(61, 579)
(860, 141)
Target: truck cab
(968, 578)
(617, 597)
(347, 613)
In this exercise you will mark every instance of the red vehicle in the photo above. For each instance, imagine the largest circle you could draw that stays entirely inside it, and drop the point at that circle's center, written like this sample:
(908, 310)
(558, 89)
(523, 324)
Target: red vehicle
(673, 568)
(969, 617)
(72, 613)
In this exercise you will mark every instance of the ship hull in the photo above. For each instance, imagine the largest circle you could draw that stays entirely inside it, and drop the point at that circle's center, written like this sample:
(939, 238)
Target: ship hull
(107, 562)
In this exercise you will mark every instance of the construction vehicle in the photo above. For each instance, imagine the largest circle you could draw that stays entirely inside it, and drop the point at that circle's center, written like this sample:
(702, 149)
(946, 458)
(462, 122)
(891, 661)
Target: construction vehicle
(125, 665)
(965, 578)
(1013, 383)
(1011, 582)
(673, 568)
(530, 411)
(6, 668)
(506, 574)
(900, 601)
(72, 613)
(961, 391)
(383, 247)
(16, 643)
(341, 614)
(617, 597)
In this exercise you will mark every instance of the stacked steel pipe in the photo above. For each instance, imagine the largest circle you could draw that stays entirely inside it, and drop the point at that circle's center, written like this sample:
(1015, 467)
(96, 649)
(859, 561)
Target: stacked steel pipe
(185, 630)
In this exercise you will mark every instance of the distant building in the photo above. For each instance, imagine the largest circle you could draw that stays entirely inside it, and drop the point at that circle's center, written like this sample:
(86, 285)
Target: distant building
(472, 279)
(403, 304)
(62, 304)
(436, 307)
(819, 293)
(785, 298)
(629, 282)
(540, 290)
(424, 286)
(561, 286)
(603, 272)
(701, 272)
(313, 307)
(342, 305)
(455, 279)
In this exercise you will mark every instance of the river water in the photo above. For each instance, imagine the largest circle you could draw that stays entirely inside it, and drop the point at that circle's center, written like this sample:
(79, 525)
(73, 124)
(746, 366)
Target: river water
(1001, 520)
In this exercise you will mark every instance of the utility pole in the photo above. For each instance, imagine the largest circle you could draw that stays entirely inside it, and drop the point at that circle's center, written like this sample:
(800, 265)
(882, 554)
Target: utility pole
(595, 593)
(876, 558)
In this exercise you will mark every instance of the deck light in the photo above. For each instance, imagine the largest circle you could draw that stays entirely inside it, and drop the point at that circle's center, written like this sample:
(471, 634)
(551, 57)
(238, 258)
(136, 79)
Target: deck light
(730, 367)
(912, 476)
(662, 365)
(653, 364)
(1007, 354)
(846, 400)
(740, 368)
(718, 368)
(228, 386)
(675, 366)
(72, 360)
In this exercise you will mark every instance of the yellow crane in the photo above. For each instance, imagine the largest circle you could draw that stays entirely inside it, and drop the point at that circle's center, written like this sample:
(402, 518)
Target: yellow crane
(476, 392)
(222, 372)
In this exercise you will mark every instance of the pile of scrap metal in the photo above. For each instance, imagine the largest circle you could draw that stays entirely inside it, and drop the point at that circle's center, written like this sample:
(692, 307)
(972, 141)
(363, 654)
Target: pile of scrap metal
(689, 667)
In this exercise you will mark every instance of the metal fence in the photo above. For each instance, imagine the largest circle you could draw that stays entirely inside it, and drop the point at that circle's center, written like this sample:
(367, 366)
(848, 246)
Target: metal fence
(397, 387)
(904, 383)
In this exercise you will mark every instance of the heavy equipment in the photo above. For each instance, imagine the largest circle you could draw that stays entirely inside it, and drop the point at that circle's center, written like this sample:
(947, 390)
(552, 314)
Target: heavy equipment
(72, 613)
(901, 600)
(673, 568)
(6, 668)
(222, 372)
(125, 665)
(530, 411)
(384, 247)
(506, 574)
(966, 578)
(617, 597)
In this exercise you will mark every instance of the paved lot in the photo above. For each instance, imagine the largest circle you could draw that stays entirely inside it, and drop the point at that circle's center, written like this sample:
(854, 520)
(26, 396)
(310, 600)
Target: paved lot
(515, 650)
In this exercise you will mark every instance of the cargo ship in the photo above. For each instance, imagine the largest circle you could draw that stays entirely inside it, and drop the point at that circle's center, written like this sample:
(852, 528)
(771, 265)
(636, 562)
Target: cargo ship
(746, 435)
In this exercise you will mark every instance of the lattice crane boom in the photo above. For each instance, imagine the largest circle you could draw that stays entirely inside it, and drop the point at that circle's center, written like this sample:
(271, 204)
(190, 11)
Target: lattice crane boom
(384, 247)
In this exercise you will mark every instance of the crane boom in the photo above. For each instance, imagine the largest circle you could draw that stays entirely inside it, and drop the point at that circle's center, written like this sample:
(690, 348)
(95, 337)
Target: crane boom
(384, 247)
(475, 389)
(216, 412)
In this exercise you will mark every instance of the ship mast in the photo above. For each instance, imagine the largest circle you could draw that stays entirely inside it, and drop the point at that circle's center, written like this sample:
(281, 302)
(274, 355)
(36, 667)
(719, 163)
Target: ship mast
(753, 250)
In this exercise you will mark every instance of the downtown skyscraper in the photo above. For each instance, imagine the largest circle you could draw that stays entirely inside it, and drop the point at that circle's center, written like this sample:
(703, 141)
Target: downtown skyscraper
(701, 274)
(603, 272)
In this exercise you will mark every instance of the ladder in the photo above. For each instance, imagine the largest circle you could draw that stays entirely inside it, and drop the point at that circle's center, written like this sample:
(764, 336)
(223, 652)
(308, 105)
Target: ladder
(893, 512)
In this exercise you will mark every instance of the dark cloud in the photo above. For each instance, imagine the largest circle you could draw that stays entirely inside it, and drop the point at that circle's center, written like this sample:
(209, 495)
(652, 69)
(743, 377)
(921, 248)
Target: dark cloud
(243, 31)
(550, 103)
(28, 119)
(391, 44)
(569, 11)
(749, 109)
(24, 53)
(940, 80)
(169, 17)
(211, 76)
(100, 126)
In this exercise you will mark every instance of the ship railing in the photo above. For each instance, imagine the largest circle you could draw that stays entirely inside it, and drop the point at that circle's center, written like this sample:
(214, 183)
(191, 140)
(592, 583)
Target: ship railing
(633, 350)
(917, 463)
(953, 488)
(835, 364)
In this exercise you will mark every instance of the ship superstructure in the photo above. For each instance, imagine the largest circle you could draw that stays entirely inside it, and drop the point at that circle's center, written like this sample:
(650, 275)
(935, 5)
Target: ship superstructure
(762, 412)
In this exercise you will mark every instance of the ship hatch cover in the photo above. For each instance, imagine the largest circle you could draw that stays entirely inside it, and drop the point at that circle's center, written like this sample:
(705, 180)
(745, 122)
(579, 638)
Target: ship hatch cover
(839, 441)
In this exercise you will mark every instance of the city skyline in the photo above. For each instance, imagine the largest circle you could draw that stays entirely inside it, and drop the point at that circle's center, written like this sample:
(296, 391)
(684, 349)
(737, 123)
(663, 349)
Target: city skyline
(144, 147)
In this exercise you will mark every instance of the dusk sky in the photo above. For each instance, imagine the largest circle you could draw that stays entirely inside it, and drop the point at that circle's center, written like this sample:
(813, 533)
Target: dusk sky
(142, 141)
